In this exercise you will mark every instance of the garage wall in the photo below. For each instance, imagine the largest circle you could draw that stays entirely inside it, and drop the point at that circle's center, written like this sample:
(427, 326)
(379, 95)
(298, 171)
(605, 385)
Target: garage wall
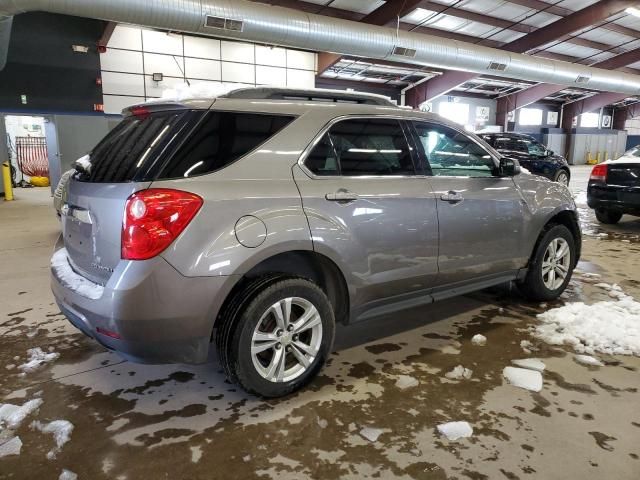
(135, 54)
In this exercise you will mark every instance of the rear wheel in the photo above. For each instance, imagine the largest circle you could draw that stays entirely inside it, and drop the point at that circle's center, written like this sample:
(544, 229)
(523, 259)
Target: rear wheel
(279, 337)
(562, 176)
(551, 265)
(608, 216)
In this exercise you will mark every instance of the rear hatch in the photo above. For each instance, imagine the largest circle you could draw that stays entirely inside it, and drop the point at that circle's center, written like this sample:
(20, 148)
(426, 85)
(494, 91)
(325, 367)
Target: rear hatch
(624, 174)
(124, 162)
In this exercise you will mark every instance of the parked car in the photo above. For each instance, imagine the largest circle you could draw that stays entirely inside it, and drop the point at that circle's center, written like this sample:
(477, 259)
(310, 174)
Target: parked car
(259, 219)
(614, 188)
(531, 154)
(60, 193)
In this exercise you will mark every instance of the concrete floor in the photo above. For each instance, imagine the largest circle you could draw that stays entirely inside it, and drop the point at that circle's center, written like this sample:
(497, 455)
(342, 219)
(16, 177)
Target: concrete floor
(185, 422)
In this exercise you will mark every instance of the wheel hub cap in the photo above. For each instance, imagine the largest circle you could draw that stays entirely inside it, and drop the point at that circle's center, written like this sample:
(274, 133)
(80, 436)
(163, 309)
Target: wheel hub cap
(556, 263)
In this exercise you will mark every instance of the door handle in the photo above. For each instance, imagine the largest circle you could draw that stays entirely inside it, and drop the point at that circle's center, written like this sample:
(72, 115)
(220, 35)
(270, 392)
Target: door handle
(451, 197)
(341, 196)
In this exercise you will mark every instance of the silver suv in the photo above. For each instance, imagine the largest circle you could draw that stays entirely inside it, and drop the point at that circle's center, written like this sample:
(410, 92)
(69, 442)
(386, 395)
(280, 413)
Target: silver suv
(259, 219)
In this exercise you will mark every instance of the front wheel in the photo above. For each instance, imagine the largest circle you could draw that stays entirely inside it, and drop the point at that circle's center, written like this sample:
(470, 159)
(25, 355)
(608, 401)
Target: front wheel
(551, 265)
(607, 216)
(562, 177)
(280, 339)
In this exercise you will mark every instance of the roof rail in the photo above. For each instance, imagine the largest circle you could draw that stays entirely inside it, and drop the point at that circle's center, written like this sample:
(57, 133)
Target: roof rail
(311, 94)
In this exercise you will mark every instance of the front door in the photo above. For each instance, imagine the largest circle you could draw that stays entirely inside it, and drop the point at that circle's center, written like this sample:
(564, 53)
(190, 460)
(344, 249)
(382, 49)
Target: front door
(370, 211)
(480, 213)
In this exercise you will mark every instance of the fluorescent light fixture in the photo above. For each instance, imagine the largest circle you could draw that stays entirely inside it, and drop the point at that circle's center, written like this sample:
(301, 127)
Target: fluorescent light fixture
(633, 11)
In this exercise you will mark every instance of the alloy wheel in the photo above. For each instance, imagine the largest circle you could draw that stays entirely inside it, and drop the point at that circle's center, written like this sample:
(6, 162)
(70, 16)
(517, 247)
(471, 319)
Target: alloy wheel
(556, 263)
(286, 340)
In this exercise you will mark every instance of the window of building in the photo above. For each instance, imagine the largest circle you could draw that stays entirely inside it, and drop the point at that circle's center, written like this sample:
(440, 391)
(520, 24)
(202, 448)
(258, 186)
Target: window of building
(530, 116)
(456, 112)
(589, 120)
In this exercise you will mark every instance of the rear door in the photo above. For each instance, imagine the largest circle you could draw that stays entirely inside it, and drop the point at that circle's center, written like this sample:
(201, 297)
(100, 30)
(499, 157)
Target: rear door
(370, 210)
(480, 214)
(120, 165)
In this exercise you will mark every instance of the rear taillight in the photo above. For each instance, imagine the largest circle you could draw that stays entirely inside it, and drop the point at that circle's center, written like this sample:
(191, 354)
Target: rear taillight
(153, 219)
(599, 173)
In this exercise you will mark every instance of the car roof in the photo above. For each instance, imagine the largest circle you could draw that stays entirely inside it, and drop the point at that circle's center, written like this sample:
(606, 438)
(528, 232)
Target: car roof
(506, 134)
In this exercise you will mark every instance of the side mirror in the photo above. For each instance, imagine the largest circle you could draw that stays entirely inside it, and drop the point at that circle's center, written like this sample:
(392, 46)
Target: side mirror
(509, 167)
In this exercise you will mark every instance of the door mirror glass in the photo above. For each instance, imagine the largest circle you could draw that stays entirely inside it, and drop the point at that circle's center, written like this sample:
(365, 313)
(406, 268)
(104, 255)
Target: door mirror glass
(509, 167)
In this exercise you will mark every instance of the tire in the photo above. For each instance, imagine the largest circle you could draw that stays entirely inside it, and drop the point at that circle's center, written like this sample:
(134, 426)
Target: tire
(539, 286)
(250, 321)
(562, 176)
(608, 217)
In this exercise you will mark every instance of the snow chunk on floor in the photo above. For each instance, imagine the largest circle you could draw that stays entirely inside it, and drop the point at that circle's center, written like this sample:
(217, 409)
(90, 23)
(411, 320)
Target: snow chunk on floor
(459, 373)
(406, 381)
(12, 416)
(371, 433)
(67, 475)
(523, 378)
(73, 281)
(611, 327)
(530, 364)
(37, 358)
(61, 430)
(11, 447)
(588, 360)
(455, 430)
(479, 340)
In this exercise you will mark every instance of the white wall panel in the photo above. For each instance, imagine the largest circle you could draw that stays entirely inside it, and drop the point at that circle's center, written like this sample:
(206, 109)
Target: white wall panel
(165, 64)
(122, 84)
(271, 75)
(114, 104)
(273, 56)
(301, 79)
(204, 69)
(201, 47)
(155, 89)
(161, 42)
(301, 60)
(237, 52)
(121, 61)
(126, 37)
(238, 72)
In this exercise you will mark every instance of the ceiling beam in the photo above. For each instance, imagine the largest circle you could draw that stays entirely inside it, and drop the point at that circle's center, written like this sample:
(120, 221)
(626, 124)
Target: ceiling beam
(109, 28)
(390, 11)
(595, 102)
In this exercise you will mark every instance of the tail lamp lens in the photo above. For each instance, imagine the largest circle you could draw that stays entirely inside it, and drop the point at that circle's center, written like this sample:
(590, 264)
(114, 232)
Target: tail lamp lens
(153, 219)
(599, 173)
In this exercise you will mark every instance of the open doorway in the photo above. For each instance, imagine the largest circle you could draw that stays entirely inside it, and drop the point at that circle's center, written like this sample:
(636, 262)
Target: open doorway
(27, 148)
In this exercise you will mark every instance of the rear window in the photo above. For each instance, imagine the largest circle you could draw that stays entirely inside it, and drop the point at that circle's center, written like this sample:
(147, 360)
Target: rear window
(222, 138)
(130, 149)
(138, 149)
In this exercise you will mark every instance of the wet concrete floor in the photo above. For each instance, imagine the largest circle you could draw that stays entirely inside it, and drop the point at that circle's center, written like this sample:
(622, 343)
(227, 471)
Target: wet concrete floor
(186, 422)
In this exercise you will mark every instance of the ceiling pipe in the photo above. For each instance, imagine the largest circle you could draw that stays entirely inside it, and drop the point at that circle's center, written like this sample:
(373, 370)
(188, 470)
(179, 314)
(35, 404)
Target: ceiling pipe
(256, 22)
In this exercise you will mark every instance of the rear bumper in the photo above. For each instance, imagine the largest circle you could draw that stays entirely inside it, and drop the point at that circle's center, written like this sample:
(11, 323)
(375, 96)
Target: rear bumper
(615, 198)
(152, 313)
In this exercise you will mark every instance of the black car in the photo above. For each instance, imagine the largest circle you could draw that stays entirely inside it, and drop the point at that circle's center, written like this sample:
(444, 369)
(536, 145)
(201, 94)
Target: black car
(531, 154)
(614, 187)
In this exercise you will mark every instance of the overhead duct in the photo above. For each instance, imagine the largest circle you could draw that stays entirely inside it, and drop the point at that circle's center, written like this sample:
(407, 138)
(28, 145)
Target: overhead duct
(244, 20)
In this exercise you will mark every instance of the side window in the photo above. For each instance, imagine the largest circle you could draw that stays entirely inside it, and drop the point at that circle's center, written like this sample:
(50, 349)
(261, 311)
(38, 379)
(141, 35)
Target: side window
(322, 159)
(536, 149)
(371, 147)
(511, 144)
(451, 153)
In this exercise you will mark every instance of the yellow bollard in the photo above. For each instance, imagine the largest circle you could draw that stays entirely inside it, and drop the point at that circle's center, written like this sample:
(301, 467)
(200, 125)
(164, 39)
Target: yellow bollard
(598, 158)
(6, 177)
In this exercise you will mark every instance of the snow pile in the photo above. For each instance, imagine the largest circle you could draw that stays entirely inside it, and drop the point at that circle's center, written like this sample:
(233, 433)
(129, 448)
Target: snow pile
(588, 360)
(84, 163)
(61, 430)
(611, 327)
(406, 381)
(371, 434)
(530, 364)
(455, 430)
(67, 475)
(11, 416)
(459, 373)
(523, 378)
(197, 90)
(479, 340)
(37, 358)
(11, 447)
(71, 279)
